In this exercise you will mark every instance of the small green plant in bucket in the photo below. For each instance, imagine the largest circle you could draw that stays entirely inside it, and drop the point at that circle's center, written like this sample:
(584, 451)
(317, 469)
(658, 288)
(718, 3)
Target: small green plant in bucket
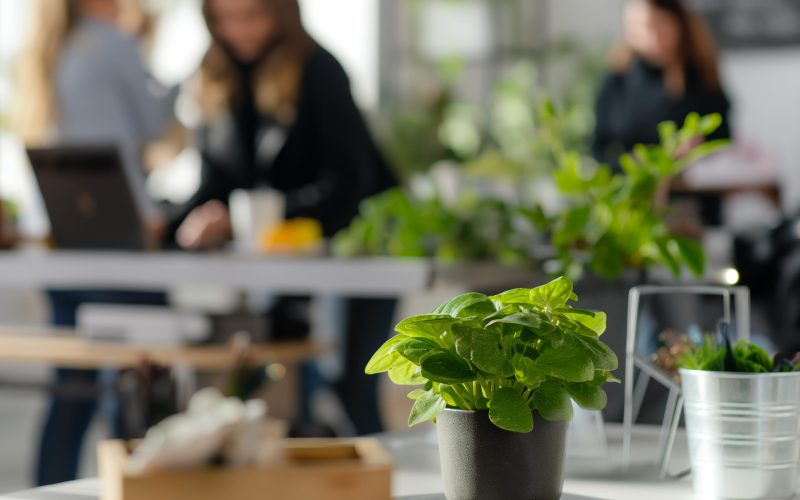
(743, 357)
(742, 419)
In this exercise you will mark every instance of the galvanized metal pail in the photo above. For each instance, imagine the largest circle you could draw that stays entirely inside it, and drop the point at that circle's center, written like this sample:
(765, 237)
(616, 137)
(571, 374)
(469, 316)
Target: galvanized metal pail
(744, 433)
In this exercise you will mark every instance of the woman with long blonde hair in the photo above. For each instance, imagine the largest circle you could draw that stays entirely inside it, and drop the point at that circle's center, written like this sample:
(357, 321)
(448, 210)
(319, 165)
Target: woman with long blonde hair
(278, 113)
(82, 80)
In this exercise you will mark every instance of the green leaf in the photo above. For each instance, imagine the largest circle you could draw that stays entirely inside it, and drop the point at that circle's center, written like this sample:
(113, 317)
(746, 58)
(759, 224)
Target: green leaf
(426, 408)
(667, 131)
(554, 294)
(446, 367)
(450, 396)
(513, 296)
(509, 411)
(385, 357)
(692, 254)
(483, 349)
(568, 361)
(668, 250)
(574, 224)
(406, 373)
(710, 123)
(602, 357)
(691, 126)
(430, 326)
(594, 321)
(525, 371)
(416, 394)
(588, 395)
(751, 357)
(702, 151)
(413, 349)
(607, 260)
(552, 402)
(537, 324)
(467, 305)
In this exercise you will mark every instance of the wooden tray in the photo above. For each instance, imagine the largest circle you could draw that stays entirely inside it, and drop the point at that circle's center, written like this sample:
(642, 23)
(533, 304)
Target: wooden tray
(358, 469)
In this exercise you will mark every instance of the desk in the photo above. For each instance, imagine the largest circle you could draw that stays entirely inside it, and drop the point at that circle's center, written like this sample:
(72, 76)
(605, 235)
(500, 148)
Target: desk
(66, 350)
(367, 277)
(373, 284)
(416, 474)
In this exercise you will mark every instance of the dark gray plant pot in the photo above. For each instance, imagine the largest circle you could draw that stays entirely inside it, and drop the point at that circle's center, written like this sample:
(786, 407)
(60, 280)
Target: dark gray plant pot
(482, 462)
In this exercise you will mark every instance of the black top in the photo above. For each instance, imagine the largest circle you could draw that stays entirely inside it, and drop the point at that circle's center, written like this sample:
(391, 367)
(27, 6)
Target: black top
(245, 115)
(631, 104)
(325, 163)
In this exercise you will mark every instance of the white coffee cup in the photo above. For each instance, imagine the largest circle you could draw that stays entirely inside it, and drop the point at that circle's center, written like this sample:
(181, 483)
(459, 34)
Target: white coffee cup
(253, 212)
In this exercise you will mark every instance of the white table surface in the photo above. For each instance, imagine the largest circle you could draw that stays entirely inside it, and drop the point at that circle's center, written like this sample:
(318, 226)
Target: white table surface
(417, 477)
(35, 267)
(366, 277)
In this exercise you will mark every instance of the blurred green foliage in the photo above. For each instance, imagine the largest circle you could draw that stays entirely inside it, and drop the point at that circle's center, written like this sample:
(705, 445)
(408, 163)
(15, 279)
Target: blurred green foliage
(610, 221)
(398, 224)
(613, 221)
(518, 134)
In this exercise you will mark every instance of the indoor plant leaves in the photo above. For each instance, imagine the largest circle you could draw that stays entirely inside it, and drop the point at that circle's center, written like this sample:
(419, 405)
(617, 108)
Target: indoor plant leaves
(521, 351)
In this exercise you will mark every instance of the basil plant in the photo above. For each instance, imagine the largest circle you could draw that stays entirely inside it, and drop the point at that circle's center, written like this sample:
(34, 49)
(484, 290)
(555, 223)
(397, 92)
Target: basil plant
(511, 354)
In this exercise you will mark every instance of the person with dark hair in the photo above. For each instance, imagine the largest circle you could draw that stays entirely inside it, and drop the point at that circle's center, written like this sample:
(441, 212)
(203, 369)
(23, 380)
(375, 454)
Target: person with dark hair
(664, 68)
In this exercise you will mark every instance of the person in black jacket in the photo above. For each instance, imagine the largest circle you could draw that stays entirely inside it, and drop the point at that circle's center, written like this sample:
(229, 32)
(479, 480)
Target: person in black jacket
(278, 113)
(665, 68)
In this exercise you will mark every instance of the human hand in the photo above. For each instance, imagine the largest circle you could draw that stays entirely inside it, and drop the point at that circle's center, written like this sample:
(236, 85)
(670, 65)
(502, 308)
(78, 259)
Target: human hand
(206, 226)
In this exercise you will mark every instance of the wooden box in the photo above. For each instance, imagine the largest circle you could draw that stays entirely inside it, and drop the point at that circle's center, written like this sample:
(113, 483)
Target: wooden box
(312, 469)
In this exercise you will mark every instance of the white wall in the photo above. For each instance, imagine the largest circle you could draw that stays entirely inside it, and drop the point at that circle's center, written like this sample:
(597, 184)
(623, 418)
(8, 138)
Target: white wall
(587, 20)
(349, 30)
(765, 88)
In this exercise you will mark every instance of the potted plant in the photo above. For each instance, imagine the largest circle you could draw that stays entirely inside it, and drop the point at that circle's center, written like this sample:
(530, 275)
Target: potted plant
(742, 420)
(498, 375)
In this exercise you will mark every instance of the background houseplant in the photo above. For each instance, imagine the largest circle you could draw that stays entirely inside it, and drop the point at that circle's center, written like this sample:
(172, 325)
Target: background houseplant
(607, 221)
(614, 221)
(514, 361)
(400, 224)
(742, 420)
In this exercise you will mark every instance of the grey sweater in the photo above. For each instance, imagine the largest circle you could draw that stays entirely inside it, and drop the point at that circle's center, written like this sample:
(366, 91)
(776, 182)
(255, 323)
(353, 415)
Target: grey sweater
(106, 96)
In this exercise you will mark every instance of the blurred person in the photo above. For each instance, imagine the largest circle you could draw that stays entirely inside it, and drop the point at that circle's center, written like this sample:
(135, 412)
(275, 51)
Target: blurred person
(278, 113)
(664, 68)
(82, 80)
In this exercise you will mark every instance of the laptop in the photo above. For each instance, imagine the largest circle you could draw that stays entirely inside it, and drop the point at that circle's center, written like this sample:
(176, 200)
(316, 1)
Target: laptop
(88, 198)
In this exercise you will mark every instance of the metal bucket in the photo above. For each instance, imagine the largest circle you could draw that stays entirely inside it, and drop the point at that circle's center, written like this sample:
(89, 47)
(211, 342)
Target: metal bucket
(744, 433)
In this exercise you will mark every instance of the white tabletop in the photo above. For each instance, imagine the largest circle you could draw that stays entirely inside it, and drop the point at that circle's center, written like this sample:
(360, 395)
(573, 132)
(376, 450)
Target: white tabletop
(355, 277)
(417, 477)
(366, 277)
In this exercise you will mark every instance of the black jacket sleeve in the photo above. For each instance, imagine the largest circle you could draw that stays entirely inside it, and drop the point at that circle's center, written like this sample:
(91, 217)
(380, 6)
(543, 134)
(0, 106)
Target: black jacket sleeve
(348, 163)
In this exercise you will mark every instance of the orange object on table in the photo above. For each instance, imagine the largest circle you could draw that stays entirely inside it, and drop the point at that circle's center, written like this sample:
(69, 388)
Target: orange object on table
(294, 236)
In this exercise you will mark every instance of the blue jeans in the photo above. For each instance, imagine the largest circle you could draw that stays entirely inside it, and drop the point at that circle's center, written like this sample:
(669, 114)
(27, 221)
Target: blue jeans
(68, 418)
